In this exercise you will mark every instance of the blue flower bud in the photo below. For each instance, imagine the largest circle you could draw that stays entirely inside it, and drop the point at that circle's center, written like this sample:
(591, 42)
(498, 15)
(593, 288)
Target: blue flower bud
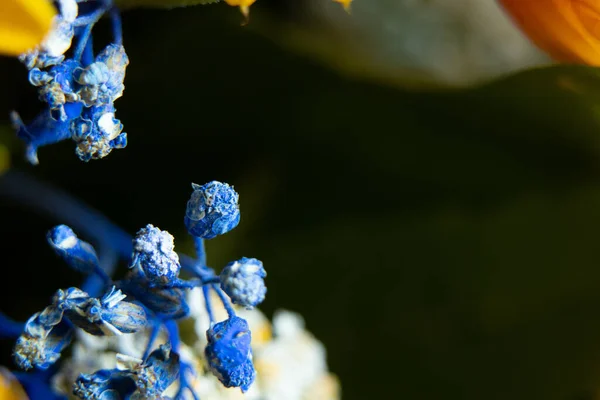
(78, 254)
(212, 210)
(243, 281)
(156, 374)
(105, 384)
(108, 316)
(229, 354)
(153, 252)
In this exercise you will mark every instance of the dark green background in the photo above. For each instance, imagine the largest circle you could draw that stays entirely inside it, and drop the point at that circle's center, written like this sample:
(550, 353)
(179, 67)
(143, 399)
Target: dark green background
(442, 244)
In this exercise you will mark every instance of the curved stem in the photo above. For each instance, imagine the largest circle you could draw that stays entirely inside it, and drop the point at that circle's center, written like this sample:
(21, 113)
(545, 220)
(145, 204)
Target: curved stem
(224, 300)
(200, 251)
(106, 236)
(84, 38)
(58, 205)
(153, 335)
(209, 311)
(117, 26)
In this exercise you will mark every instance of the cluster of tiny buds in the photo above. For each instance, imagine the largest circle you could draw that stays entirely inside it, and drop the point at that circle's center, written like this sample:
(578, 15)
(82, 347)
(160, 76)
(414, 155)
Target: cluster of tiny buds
(79, 91)
(151, 296)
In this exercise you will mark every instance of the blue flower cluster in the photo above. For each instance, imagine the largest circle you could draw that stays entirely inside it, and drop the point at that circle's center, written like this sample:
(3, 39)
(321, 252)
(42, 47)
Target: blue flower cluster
(80, 90)
(151, 297)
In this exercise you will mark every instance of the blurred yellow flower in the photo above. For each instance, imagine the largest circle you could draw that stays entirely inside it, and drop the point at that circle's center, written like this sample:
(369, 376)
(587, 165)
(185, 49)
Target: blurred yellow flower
(569, 30)
(244, 6)
(23, 24)
(10, 389)
(345, 3)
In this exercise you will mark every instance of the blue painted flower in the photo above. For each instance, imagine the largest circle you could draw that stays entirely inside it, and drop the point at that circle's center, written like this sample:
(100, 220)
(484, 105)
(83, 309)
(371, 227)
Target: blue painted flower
(243, 281)
(80, 255)
(153, 252)
(212, 210)
(229, 354)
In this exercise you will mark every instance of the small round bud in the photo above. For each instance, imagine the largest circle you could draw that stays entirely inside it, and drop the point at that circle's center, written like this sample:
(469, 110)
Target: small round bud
(153, 252)
(229, 354)
(212, 210)
(243, 281)
(78, 254)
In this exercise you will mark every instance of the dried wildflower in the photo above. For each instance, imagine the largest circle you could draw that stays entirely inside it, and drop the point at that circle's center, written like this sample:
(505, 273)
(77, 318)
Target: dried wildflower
(243, 281)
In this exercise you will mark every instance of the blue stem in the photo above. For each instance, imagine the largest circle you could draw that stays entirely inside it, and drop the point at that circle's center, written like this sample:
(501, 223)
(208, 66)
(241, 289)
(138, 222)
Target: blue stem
(224, 300)
(200, 251)
(117, 26)
(57, 204)
(84, 38)
(209, 311)
(86, 221)
(152, 338)
(173, 331)
(90, 19)
(88, 53)
(9, 328)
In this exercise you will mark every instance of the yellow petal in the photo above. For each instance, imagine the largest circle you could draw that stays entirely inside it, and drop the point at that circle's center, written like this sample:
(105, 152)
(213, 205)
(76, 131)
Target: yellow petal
(569, 30)
(23, 24)
(10, 389)
(345, 3)
(244, 6)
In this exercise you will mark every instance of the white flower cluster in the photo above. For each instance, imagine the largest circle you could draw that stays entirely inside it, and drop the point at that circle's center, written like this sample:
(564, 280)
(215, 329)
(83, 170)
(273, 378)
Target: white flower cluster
(289, 361)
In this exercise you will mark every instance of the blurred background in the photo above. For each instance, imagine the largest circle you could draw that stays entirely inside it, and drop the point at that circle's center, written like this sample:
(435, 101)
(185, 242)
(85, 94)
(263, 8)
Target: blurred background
(422, 192)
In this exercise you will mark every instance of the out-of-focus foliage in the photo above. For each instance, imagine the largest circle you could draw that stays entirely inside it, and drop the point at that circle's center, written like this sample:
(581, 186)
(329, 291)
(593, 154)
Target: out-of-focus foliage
(445, 42)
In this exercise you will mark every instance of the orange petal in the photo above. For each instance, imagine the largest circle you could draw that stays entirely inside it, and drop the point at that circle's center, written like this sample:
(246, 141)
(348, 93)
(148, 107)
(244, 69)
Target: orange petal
(569, 30)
